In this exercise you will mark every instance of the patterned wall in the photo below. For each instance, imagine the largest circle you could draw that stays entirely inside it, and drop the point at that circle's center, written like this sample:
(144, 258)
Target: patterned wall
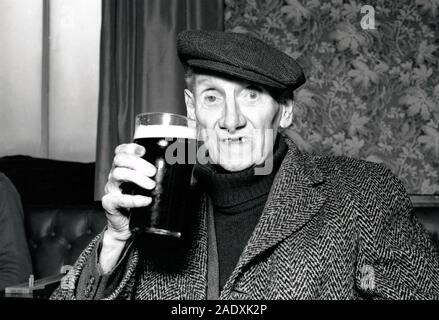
(370, 94)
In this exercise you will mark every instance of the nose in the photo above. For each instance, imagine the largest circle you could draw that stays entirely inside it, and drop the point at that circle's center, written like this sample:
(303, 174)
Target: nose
(232, 119)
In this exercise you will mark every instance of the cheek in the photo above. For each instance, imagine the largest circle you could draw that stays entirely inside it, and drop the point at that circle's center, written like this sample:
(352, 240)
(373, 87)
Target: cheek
(275, 116)
(263, 141)
(267, 117)
(266, 121)
(206, 118)
(265, 135)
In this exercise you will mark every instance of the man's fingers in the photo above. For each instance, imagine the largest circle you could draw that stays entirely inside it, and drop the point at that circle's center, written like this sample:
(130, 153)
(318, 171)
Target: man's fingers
(130, 148)
(128, 175)
(135, 163)
(111, 186)
(128, 201)
(113, 202)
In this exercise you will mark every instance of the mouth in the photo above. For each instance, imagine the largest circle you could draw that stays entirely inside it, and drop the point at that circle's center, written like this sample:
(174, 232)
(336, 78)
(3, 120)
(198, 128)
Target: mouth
(235, 140)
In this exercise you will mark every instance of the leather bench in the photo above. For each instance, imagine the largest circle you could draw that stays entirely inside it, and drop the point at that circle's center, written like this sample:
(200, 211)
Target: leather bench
(429, 217)
(58, 234)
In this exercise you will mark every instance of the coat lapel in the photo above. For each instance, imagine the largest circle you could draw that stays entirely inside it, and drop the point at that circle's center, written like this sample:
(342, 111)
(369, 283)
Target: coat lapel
(292, 202)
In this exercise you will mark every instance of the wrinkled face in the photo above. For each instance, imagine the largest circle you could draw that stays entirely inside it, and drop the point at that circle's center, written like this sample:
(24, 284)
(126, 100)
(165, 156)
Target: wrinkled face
(237, 120)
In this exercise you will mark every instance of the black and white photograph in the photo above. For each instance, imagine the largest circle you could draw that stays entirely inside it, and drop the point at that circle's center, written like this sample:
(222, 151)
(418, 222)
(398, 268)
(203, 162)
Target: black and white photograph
(220, 155)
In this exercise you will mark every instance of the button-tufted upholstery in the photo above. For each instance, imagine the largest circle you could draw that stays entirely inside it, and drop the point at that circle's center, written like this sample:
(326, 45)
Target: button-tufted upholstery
(61, 216)
(429, 217)
(58, 234)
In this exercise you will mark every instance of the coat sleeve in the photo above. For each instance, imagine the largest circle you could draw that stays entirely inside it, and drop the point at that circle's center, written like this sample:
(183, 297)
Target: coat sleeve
(15, 260)
(397, 259)
(86, 280)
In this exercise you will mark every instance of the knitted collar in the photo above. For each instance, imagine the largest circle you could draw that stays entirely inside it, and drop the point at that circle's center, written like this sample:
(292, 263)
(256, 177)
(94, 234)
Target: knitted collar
(229, 190)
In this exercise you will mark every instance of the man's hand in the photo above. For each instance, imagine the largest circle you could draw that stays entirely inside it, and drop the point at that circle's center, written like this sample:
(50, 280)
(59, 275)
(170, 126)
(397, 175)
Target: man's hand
(128, 166)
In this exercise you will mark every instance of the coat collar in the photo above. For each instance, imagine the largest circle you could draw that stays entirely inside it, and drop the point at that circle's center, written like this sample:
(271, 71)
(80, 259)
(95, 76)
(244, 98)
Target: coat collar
(292, 202)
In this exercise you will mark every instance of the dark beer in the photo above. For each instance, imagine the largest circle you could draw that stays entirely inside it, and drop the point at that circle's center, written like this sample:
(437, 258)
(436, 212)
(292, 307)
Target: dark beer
(171, 149)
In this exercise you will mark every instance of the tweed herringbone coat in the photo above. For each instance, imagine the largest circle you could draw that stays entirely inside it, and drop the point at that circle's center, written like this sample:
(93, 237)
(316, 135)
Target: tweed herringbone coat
(332, 228)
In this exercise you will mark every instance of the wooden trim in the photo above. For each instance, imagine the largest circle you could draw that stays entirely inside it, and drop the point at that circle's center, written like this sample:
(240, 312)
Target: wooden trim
(425, 200)
(45, 79)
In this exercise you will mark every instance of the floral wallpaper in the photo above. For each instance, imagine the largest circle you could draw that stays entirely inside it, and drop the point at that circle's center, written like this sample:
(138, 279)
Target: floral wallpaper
(370, 93)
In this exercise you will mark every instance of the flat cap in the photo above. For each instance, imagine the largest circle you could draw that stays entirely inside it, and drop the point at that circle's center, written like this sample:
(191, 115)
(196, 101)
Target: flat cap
(239, 55)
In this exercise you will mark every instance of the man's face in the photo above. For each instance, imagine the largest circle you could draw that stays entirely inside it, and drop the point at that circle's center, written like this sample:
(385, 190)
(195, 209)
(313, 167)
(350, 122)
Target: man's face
(238, 120)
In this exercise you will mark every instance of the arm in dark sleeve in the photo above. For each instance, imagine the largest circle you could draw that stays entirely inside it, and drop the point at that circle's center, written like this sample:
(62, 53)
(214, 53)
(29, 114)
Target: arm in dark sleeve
(397, 258)
(94, 284)
(15, 261)
(86, 281)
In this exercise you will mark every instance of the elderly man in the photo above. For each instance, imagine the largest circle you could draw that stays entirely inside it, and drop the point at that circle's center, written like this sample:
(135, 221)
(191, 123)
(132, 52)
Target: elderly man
(311, 228)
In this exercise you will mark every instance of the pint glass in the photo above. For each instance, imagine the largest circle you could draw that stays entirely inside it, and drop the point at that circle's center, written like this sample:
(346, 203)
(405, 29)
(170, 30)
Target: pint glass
(170, 143)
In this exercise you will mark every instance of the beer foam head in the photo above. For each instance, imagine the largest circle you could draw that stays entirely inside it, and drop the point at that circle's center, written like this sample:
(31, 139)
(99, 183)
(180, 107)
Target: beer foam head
(165, 131)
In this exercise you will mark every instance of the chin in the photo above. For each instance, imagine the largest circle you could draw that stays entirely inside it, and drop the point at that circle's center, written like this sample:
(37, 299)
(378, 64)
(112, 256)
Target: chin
(234, 167)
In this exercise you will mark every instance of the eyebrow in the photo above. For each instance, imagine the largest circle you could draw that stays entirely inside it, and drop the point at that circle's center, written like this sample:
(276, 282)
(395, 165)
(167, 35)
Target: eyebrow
(208, 85)
(203, 80)
(254, 87)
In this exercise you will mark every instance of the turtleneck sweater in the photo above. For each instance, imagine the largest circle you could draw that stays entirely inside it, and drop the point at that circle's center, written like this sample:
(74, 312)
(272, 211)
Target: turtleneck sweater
(238, 199)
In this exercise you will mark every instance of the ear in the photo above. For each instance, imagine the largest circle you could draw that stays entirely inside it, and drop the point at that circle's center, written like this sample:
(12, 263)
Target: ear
(190, 104)
(287, 113)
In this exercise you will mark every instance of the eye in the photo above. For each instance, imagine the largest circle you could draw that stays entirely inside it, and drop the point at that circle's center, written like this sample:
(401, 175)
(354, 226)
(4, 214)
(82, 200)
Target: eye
(211, 98)
(252, 93)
